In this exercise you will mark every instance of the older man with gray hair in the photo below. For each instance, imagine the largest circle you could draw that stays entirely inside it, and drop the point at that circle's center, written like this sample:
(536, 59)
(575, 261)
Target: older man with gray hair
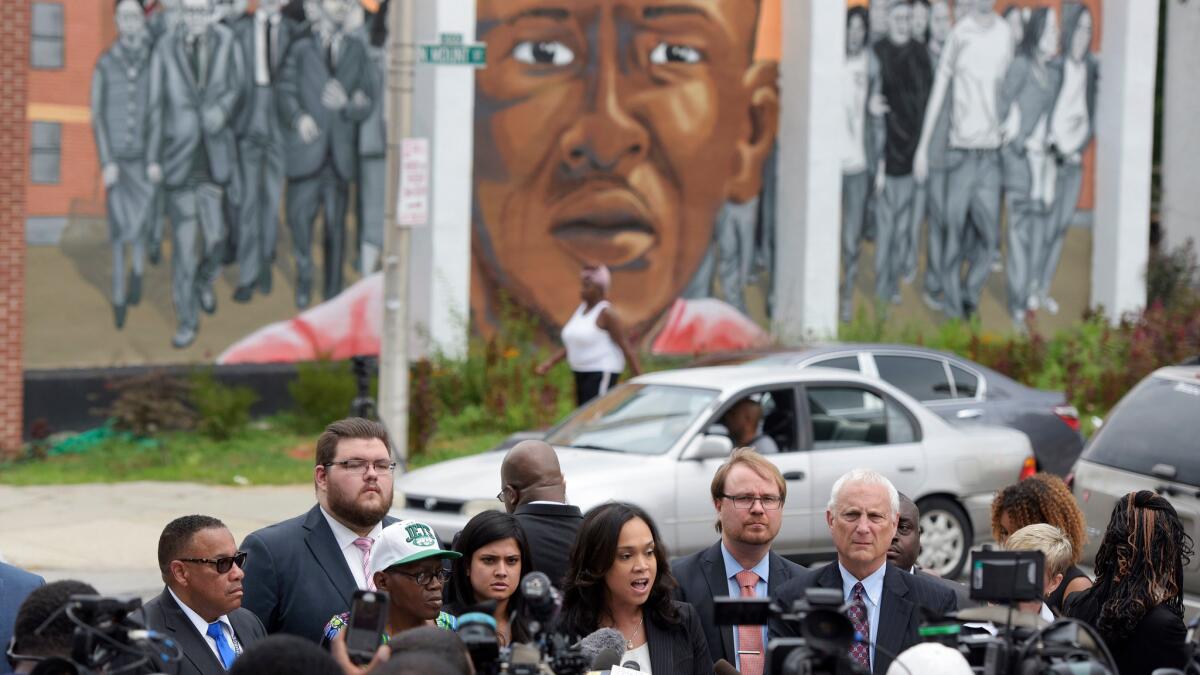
(884, 601)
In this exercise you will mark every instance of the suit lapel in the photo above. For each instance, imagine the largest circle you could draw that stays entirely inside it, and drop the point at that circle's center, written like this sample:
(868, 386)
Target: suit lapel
(195, 646)
(321, 543)
(895, 612)
(662, 655)
(713, 564)
(184, 62)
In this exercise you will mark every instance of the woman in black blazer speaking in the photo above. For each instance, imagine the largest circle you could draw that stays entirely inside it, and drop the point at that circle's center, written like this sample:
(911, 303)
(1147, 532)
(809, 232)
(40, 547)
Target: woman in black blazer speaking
(1137, 602)
(619, 578)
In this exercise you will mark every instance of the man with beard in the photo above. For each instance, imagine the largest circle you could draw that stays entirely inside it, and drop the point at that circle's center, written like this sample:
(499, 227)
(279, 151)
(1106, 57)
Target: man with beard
(748, 493)
(304, 570)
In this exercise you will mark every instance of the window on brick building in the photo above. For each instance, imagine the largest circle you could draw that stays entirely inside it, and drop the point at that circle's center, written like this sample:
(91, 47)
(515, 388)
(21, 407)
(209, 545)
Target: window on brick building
(46, 152)
(46, 43)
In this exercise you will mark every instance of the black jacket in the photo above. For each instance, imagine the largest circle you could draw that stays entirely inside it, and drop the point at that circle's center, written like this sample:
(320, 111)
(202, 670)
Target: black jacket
(550, 530)
(163, 614)
(1158, 641)
(679, 649)
(701, 577)
(904, 595)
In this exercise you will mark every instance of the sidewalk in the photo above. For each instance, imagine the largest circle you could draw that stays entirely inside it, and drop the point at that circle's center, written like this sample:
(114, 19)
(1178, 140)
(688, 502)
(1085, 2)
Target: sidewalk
(107, 534)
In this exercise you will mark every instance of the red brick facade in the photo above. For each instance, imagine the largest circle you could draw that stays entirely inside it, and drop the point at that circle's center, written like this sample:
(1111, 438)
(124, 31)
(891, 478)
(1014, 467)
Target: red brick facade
(14, 60)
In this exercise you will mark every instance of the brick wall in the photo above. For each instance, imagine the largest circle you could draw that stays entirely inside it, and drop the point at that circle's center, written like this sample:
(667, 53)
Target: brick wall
(14, 57)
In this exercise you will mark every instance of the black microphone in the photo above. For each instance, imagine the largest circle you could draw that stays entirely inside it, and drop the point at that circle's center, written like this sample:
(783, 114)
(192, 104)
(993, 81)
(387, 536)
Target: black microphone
(631, 665)
(600, 640)
(723, 667)
(606, 659)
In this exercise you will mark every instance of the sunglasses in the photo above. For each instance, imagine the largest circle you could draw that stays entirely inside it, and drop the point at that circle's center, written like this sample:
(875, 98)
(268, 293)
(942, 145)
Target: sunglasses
(224, 564)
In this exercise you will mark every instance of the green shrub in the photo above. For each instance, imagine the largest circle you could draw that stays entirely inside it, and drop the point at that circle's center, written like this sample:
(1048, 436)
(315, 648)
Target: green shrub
(149, 404)
(222, 411)
(322, 392)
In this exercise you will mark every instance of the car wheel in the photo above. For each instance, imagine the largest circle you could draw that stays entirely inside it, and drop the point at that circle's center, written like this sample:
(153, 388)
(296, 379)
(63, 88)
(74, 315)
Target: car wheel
(945, 537)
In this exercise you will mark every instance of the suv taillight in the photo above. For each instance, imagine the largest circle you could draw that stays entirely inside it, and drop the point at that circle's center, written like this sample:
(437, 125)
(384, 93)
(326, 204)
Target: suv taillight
(1028, 468)
(1069, 415)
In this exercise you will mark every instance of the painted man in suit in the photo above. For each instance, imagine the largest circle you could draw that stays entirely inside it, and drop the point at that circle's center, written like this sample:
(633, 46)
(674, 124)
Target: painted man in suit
(325, 90)
(372, 148)
(15, 585)
(201, 607)
(263, 38)
(534, 491)
(304, 570)
(120, 101)
(885, 602)
(748, 493)
(195, 83)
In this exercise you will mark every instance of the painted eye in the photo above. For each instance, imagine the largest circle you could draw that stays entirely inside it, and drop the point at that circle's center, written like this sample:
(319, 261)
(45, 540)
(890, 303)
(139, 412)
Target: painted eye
(538, 53)
(670, 53)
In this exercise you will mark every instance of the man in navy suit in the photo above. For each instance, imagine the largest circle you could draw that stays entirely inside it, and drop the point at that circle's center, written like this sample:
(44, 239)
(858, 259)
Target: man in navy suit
(304, 570)
(15, 585)
(748, 493)
(201, 607)
(885, 602)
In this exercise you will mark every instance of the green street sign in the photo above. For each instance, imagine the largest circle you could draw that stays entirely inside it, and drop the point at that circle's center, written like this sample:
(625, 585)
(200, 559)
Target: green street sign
(452, 51)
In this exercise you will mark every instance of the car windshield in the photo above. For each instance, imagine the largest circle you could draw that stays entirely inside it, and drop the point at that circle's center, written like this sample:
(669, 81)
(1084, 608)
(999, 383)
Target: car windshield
(643, 419)
(1157, 423)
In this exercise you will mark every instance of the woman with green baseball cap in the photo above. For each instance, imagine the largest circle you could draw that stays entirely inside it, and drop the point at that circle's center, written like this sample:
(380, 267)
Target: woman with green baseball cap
(406, 563)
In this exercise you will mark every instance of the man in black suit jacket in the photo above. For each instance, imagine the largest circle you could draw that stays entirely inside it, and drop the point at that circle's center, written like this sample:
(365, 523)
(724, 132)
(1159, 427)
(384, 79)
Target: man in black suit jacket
(535, 492)
(906, 548)
(887, 603)
(748, 493)
(304, 570)
(200, 609)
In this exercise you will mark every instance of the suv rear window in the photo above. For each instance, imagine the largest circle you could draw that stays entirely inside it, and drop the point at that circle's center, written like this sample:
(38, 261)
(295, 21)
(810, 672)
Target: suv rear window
(1157, 423)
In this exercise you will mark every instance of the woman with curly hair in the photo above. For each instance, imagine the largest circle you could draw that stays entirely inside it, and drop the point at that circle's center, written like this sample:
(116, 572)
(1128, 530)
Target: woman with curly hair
(619, 578)
(1137, 602)
(1044, 498)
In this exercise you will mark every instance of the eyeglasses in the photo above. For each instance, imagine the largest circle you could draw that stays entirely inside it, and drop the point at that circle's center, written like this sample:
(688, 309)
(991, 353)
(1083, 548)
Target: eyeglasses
(361, 465)
(224, 564)
(501, 493)
(423, 578)
(769, 502)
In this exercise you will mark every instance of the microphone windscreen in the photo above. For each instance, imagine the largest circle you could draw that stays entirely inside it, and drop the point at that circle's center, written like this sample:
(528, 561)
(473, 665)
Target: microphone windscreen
(723, 667)
(601, 639)
(631, 665)
(606, 659)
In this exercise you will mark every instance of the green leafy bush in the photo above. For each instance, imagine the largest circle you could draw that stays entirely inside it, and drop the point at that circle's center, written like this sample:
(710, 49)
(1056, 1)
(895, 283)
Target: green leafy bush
(222, 411)
(149, 404)
(322, 393)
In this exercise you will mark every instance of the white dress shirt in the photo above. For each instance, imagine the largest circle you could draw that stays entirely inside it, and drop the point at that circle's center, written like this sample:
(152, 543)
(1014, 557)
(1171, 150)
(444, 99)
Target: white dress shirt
(202, 628)
(345, 540)
(263, 61)
(872, 597)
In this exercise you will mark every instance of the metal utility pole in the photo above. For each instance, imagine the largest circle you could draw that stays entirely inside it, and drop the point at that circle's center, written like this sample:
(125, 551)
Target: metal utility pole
(393, 351)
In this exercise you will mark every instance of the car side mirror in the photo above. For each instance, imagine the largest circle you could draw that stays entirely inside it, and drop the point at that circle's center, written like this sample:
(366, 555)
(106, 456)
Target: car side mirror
(717, 429)
(708, 446)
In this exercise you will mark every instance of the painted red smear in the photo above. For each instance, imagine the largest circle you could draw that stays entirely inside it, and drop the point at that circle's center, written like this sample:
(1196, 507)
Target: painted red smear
(707, 325)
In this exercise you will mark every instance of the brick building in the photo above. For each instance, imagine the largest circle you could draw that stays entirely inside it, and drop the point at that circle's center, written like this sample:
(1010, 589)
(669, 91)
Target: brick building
(14, 55)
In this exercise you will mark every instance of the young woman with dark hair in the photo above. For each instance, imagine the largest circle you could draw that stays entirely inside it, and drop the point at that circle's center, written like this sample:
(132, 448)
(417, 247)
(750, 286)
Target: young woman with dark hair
(495, 555)
(1137, 602)
(619, 577)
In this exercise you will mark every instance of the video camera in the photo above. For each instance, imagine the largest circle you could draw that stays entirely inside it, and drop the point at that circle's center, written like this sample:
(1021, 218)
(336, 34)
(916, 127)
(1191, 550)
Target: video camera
(826, 631)
(1000, 640)
(107, 640)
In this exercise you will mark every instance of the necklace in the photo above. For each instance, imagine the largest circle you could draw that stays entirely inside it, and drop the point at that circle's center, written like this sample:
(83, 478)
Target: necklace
(629, 641)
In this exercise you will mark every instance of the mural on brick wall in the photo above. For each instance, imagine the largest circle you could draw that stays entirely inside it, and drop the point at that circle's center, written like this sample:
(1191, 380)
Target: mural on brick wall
(967, 148)
(239, 165)
(635, 136)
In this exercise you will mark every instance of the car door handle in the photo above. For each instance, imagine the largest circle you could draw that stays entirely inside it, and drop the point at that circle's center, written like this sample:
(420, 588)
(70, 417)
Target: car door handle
(794, 475)
(969, 414)
(907, 469)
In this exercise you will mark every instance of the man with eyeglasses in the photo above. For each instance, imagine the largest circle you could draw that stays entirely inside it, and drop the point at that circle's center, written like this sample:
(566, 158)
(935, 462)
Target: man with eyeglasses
(748, 493)
(533, 489)
(304, 570)
(407, 565)
(201, 607)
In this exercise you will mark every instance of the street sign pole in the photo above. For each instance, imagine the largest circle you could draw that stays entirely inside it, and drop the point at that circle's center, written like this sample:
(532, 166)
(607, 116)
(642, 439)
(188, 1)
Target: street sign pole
(393, 350)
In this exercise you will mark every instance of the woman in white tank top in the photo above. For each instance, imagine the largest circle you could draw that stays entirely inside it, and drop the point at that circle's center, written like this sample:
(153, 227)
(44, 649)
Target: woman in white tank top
(594, 342)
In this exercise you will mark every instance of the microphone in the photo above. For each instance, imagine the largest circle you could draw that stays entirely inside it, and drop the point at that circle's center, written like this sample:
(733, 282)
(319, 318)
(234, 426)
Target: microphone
(723, 667)
(631, 665)
(606, 659)
(596, 642)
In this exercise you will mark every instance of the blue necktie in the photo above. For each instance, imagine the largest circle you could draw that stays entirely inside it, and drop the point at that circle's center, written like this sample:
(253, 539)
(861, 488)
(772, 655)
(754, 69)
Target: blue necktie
(223, 648)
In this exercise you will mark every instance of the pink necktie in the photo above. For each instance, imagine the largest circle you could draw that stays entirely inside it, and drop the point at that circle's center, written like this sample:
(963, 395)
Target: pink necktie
(364, 544)
(750, 644)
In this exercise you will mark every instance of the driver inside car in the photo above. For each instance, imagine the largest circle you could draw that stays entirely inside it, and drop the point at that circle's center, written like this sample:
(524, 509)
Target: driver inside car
(744, 421)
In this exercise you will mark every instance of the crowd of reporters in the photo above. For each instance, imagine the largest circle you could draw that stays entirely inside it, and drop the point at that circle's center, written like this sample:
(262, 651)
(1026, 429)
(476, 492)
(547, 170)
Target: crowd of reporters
(547, 588)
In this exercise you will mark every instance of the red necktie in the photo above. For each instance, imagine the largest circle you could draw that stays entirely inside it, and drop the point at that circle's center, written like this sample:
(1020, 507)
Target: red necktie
(860, 651)
(750, 643)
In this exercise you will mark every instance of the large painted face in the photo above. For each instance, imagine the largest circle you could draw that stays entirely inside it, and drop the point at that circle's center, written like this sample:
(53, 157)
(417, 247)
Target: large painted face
(856, 35)
(940, 21)
(197, 14)
(131, 22)
(1082, 40)
(612, 132)
(899, 23)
